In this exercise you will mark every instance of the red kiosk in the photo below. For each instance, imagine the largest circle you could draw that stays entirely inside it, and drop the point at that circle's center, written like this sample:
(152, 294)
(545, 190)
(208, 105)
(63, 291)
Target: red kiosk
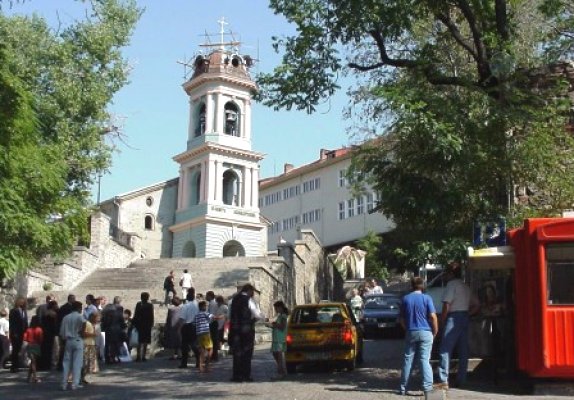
(544, 297)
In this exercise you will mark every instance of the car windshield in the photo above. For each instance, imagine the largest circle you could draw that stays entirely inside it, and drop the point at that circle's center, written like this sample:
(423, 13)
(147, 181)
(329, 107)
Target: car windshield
(325, 314)
(383, 302)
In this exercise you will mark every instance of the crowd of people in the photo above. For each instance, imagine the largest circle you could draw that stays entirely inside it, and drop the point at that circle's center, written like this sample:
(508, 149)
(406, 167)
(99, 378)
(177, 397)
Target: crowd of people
(76, 338)
(73, 338)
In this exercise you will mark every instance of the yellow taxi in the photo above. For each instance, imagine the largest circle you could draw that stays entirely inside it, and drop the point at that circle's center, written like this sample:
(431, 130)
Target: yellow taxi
(324, 332)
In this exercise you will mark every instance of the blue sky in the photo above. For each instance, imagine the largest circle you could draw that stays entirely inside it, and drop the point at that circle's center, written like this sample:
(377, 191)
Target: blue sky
(153, 107)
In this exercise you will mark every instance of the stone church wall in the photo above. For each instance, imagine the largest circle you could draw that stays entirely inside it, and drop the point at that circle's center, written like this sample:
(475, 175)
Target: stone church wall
(105, 251)
(300, 274)
(128, 213)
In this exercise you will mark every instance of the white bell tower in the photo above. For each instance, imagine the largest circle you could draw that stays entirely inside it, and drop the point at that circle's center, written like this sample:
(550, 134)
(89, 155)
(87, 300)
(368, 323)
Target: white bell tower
(217, 208)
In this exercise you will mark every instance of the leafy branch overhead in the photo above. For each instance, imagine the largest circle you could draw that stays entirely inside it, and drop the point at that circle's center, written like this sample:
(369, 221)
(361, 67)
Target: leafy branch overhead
(55, 88)
(465, 105)
(472, 44)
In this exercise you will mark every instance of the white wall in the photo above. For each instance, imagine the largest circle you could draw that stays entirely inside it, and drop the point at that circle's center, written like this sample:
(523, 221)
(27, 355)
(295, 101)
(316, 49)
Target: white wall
(329, 229)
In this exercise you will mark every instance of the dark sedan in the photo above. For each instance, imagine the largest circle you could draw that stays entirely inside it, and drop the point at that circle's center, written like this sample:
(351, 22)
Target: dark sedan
(381, 313)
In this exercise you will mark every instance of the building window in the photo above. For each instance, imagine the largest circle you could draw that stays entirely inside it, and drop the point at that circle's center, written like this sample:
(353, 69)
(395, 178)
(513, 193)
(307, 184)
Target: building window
(341, 210)
(231, 188)
(274, 228)
(351, 208)
(311, 185)
(290, 223)
(560, 273)
(200, 126)
(291, 192)
(342, 178)
(311, 216)
(360, 205)
(148, 223)
(370, 202)
(149, 201)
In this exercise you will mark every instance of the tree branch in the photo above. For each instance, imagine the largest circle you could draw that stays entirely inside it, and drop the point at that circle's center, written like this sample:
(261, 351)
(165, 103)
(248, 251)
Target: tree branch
(482, 59)
(501, 19)
(364, 68)
(433, 76)
(455, 32)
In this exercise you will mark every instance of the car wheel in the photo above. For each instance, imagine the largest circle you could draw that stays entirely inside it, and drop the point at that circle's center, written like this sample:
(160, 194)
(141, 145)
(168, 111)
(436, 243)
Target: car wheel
(351, 364)
(360, 356)
(291, 367)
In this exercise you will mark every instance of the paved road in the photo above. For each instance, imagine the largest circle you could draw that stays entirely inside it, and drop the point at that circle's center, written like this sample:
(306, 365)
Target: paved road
(161, 379)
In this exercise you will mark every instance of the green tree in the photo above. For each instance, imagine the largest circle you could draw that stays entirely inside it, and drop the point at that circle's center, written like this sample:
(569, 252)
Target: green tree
(55, 88)
(464, 100)
(375, 266)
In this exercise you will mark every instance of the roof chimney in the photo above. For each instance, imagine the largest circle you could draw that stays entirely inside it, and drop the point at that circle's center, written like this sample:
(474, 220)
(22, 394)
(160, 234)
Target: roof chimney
(323, 154)
(287, 168)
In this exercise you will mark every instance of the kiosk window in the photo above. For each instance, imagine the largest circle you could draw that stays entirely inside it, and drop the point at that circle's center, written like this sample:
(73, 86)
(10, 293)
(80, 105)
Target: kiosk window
(560, 273)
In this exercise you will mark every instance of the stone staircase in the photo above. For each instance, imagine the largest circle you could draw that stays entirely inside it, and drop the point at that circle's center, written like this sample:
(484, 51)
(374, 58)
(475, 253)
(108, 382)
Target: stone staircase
(221, 275)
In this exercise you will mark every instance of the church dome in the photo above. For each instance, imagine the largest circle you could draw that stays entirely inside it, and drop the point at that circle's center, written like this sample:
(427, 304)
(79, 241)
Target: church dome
(221, 64)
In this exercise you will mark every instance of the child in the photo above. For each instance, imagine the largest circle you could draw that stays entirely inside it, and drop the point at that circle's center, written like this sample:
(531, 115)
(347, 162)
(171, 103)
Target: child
(33, 338)
(202, 320)
(90, 352)
(356, 303)
(278, 344)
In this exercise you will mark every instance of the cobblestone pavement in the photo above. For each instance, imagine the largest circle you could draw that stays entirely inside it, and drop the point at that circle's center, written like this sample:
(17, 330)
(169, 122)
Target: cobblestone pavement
(160, 378)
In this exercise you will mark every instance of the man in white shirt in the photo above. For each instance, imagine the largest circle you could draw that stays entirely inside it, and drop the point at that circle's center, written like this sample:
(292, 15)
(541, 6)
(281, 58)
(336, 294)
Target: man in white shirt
(186, 318)
(4, 341)
(243, 315)
(71, 331)
(457, 305)
(373, 288)
(185, 282)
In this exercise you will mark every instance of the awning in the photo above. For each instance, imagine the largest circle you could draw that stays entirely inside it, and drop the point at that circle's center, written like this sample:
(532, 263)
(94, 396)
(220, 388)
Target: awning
(501, 257)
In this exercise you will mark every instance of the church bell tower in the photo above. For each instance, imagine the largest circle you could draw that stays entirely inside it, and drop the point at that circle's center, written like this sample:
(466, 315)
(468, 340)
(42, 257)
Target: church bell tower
(217, 207)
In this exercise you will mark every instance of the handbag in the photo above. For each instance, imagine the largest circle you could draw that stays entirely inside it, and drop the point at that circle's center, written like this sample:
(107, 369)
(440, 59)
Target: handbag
(134, 338)
(124, 355)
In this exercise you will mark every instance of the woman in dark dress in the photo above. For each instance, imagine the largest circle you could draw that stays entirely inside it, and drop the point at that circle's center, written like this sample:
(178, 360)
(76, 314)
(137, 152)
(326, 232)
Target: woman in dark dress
(172, 336)
(143, 322)
(50, 328)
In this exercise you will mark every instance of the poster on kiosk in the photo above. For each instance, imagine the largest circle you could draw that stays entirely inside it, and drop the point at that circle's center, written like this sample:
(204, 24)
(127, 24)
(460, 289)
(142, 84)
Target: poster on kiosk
(527, 298)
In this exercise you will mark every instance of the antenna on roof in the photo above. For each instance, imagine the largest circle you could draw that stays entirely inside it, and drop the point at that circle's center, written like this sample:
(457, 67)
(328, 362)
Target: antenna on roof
(187, 66)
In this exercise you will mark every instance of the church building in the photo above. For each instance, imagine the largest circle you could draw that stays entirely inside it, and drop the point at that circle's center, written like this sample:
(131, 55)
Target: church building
(211, 210)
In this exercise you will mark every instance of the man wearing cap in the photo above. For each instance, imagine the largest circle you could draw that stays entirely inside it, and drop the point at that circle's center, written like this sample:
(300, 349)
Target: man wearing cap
(243, 314)
(457, 305)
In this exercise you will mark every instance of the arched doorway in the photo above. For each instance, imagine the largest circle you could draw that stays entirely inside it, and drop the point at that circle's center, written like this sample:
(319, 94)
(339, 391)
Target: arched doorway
(233, 248)
(188, 250)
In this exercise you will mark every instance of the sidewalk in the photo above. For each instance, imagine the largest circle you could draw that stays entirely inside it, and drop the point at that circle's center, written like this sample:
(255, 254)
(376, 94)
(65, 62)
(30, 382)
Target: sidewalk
(159, 378)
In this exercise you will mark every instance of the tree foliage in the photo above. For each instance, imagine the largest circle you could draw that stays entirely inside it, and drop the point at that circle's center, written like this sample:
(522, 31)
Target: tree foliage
(463, 101)
(375, 266)
(55, 88)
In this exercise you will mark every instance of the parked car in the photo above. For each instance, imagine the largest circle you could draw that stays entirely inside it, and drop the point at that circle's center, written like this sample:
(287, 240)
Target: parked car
(324, 332)
(381, 313)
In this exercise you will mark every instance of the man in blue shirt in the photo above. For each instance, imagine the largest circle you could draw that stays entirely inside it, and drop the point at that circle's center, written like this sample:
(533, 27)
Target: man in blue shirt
(418, 318)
